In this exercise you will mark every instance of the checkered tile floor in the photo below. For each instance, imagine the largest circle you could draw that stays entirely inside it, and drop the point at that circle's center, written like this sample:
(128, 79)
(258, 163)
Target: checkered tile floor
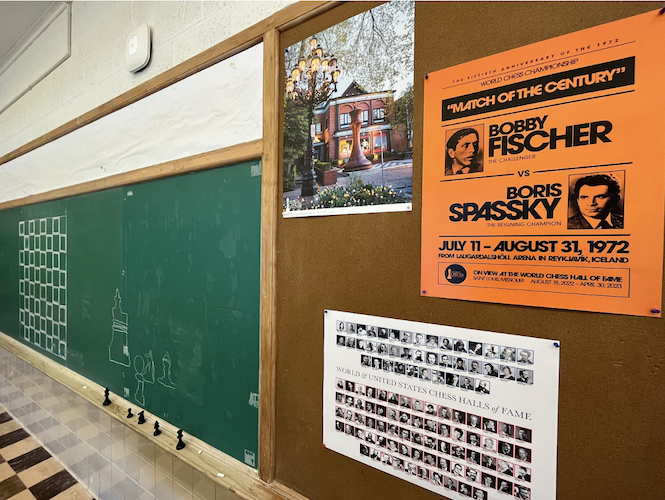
(28, 471)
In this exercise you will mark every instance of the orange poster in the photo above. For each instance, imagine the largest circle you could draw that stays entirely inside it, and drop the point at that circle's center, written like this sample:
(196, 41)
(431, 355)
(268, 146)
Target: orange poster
(544, 173)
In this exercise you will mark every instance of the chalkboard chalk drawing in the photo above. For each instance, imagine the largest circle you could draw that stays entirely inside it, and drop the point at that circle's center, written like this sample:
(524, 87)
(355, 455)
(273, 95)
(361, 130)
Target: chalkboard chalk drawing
(43, 283)
(149, 368)
(144, 372)
(119, 346)
(165, 379)
(140, 369)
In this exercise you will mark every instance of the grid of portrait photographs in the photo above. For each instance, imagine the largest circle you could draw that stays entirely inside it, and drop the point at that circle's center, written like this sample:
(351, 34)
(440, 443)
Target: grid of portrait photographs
(466, 364)
(445, 446)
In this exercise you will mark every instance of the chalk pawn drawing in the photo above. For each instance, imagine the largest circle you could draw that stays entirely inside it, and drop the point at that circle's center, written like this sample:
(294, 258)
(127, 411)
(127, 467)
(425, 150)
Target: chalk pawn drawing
(165, 379)
(149, 368)
(119, 347)
(141, 370)
(144, 368)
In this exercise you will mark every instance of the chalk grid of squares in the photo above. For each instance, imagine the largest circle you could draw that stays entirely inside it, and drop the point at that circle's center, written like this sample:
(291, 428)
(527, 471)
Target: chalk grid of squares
(43, 283)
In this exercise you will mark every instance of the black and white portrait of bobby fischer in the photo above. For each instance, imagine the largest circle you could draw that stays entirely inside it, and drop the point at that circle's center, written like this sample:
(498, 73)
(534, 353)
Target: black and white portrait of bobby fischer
(463, 151)
(596, 202)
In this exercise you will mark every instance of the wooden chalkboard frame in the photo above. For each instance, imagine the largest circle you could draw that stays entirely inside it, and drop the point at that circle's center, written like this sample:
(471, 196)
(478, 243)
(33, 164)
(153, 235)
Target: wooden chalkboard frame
(232, 474)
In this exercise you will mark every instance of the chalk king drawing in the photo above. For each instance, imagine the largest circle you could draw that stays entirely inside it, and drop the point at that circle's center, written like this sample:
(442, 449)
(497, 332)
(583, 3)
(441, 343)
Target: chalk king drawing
(140, 370)
(165, 379)
(119, 346)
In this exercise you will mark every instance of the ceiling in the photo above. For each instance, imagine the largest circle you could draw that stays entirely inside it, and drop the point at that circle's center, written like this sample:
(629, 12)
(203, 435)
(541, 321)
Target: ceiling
(20, 22)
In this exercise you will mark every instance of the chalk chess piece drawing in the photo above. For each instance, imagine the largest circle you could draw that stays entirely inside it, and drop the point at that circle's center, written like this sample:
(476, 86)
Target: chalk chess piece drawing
(119, 347)
(165, 379)
(140, 372)
(150, 368)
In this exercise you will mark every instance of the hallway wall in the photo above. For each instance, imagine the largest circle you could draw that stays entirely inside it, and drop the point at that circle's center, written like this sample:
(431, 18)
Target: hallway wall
(95, 72)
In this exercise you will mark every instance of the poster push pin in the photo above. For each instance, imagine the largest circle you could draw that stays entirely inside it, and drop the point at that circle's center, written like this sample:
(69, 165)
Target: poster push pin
(181, 443)
(141, 418)
(107, 401)
(157, 431)
(129, 413)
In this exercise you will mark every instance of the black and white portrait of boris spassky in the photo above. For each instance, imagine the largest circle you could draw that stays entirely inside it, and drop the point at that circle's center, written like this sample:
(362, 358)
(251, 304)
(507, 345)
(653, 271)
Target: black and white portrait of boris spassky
(597, 198)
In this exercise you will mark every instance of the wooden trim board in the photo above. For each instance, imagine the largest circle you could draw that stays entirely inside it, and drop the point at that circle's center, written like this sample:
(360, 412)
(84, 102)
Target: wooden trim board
(223, 469)
(294, 13)
(269, 218)
(203, 161)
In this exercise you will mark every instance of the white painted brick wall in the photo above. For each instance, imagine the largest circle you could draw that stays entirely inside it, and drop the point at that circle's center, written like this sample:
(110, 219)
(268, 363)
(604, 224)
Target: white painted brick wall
(95, 73)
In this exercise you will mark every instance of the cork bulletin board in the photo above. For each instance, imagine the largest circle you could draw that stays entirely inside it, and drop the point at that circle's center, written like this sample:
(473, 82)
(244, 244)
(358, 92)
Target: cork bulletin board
(611, 372)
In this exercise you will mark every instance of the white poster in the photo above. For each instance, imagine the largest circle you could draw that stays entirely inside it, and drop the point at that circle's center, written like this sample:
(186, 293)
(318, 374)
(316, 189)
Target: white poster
(217, 107)
(464, 413)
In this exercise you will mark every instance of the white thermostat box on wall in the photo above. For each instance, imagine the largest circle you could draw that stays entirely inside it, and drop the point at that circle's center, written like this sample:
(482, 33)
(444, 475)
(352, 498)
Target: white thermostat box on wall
(137, 50)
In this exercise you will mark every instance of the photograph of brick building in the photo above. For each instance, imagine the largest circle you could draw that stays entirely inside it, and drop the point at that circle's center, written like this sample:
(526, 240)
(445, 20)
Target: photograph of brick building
(334, 139)
(348, 115)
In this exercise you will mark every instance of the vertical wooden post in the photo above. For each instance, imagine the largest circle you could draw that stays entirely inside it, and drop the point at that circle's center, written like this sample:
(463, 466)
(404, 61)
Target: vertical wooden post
(269, 214)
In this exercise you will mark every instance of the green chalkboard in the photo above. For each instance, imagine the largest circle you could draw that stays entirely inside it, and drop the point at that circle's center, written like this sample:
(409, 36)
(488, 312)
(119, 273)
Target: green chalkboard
(151, 290)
